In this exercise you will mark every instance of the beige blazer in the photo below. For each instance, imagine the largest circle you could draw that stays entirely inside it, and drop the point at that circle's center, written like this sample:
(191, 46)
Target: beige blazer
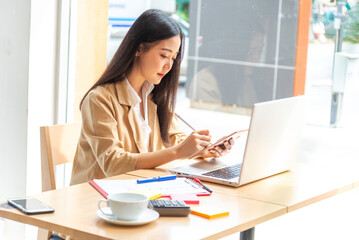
(111, 138)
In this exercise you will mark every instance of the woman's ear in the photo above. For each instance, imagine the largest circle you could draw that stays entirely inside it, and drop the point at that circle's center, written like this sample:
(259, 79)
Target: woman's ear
(139, 50)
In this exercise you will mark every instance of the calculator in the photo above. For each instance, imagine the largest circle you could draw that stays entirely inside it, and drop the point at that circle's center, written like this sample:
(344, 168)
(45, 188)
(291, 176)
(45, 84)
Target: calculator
(170, 207)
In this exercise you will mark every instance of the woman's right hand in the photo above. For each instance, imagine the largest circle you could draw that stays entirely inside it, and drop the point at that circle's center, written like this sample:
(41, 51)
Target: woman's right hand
(194, 143)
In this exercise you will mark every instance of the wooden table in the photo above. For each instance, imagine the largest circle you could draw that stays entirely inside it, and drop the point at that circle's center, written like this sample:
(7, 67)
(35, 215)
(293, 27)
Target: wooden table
(249, 206)
(76, 206)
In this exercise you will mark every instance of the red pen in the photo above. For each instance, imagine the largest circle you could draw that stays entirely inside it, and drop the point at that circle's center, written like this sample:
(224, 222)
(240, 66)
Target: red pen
(203, 186)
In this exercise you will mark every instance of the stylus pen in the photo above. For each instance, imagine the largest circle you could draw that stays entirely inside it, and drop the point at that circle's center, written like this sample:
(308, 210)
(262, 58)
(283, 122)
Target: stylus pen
(189, 126)
(185, 122)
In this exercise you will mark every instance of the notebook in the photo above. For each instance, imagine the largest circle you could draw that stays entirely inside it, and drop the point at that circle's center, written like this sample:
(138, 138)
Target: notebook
(270, 146)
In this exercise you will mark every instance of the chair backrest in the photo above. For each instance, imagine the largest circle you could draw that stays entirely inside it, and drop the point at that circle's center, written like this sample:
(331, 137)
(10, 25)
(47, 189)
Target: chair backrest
(58, 146)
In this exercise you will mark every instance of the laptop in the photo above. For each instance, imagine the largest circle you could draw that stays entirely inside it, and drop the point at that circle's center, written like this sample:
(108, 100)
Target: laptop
(270, 146)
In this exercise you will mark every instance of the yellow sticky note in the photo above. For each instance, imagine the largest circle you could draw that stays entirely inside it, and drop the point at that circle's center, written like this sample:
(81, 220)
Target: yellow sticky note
(209, 211)
(151, 194)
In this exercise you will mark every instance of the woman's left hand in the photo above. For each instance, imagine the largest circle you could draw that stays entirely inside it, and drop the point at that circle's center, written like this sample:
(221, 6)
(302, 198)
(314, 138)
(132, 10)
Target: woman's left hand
(220, 149)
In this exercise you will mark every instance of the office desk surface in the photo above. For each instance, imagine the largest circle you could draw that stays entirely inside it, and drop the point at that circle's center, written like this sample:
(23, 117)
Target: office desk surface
(305, 185)
(76, 206)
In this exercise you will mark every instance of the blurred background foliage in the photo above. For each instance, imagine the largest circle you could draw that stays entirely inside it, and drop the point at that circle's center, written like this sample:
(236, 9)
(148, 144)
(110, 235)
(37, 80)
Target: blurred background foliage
(182, 7)
(351, 27)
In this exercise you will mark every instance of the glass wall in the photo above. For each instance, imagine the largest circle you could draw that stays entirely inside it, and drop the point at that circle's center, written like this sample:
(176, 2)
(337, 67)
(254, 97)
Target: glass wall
(241, 52)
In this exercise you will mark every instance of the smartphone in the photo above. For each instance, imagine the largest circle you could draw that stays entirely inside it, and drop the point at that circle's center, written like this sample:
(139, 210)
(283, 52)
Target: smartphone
(219, 142)
(233, 135)
(30, 205)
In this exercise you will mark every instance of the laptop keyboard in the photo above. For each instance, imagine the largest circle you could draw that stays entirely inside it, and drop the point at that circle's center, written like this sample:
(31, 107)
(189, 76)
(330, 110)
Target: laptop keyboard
(225, 172)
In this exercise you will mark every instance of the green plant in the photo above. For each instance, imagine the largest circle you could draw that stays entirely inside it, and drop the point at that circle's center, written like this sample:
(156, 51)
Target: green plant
(351, 27)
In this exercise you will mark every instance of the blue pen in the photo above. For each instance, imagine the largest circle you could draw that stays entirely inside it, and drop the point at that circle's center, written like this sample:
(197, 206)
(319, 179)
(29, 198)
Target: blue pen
(168, 177)
(155, 179)
(147, 180)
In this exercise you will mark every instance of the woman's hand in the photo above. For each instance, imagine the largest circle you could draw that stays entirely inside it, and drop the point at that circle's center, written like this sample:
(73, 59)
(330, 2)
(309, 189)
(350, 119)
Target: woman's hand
(220, 149)
(193, 144)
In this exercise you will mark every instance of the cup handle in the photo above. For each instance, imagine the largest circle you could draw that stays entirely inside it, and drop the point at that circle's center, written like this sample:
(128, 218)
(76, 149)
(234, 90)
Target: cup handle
(100, 208)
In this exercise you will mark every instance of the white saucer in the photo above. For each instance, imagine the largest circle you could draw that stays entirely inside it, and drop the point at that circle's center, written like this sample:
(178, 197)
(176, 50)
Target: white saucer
(147, 217)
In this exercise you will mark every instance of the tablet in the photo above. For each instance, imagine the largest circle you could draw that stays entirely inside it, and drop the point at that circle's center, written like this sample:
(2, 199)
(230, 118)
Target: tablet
(30, 205)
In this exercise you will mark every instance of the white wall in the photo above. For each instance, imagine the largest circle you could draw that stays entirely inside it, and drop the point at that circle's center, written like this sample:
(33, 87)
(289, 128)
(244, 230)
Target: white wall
(28, 42)
(14, 62)
(14, 73)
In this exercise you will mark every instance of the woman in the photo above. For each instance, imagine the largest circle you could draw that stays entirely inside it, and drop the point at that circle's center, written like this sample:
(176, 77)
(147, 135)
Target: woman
(128, 117)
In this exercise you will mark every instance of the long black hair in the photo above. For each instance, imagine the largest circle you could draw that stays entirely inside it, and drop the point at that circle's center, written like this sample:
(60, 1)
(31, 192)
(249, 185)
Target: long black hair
(151, 26)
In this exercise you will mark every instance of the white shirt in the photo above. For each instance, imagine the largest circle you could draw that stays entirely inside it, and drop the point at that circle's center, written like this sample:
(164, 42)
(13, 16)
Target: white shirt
(146, 89)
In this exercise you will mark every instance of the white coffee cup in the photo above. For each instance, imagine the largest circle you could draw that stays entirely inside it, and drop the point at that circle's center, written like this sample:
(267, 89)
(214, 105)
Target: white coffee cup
(125, 206)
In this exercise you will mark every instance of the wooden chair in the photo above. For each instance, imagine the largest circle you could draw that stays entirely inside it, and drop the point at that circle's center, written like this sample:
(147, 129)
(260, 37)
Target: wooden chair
(58, 146)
